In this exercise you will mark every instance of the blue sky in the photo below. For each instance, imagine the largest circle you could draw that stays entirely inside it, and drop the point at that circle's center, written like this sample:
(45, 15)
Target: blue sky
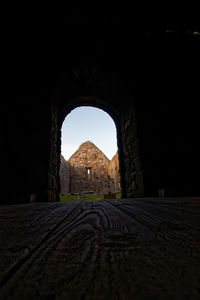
(88, 123)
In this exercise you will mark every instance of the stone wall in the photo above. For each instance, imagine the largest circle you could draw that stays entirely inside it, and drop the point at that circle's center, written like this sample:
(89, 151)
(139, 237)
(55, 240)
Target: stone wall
(54, 157)
(89, 171)
(133, 175)
(64, 176)
(113, 172)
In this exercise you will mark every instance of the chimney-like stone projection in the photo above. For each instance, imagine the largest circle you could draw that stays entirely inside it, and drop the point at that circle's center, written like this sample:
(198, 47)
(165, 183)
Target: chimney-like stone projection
(89, 171)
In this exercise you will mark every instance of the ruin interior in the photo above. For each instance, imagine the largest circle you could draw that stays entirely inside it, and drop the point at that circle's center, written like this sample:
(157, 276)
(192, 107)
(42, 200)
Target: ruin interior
(145, 75)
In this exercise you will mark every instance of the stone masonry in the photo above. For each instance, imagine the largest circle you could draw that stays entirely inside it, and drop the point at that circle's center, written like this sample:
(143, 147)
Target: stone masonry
(89, 171)
(64, 176)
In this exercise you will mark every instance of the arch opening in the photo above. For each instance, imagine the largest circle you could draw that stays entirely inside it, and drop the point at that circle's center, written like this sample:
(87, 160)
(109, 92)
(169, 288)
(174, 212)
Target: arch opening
(105, 91)
(89, 161)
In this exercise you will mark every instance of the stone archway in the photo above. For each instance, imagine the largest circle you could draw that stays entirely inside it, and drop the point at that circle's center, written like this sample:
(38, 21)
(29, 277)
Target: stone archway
(104, 90)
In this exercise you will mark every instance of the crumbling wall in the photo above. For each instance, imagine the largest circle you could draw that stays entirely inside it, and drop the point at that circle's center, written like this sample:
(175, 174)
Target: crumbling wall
(88, 170)
(64, 176)
(113, 172)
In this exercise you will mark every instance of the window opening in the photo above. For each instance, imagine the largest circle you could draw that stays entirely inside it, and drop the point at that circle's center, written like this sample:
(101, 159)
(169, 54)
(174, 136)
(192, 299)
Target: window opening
(89, 173)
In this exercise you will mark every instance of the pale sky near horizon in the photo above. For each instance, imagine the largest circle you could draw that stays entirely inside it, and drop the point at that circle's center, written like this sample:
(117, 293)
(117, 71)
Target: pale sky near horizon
(88, 123)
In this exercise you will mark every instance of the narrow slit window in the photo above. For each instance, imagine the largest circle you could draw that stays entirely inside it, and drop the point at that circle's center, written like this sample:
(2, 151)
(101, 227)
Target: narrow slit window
(88, 173)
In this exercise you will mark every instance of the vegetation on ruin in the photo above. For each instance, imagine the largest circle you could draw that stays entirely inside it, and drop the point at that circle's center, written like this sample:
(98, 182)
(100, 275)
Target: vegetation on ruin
(86, 197)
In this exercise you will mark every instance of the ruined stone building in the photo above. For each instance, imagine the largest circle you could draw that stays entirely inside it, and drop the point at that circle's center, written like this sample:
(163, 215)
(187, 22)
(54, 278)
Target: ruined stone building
(89, 171)
(143, 69)
(138, 73)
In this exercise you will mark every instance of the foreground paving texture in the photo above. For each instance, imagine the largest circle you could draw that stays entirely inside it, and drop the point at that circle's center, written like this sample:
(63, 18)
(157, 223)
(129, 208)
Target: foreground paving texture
(114, 249)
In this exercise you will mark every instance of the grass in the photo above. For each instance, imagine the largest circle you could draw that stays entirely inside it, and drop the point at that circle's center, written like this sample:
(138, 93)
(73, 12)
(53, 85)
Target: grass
(85, 197)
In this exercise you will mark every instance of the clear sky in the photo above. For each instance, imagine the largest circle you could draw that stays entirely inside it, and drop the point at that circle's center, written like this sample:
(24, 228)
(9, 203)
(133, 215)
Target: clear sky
(88, 123)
